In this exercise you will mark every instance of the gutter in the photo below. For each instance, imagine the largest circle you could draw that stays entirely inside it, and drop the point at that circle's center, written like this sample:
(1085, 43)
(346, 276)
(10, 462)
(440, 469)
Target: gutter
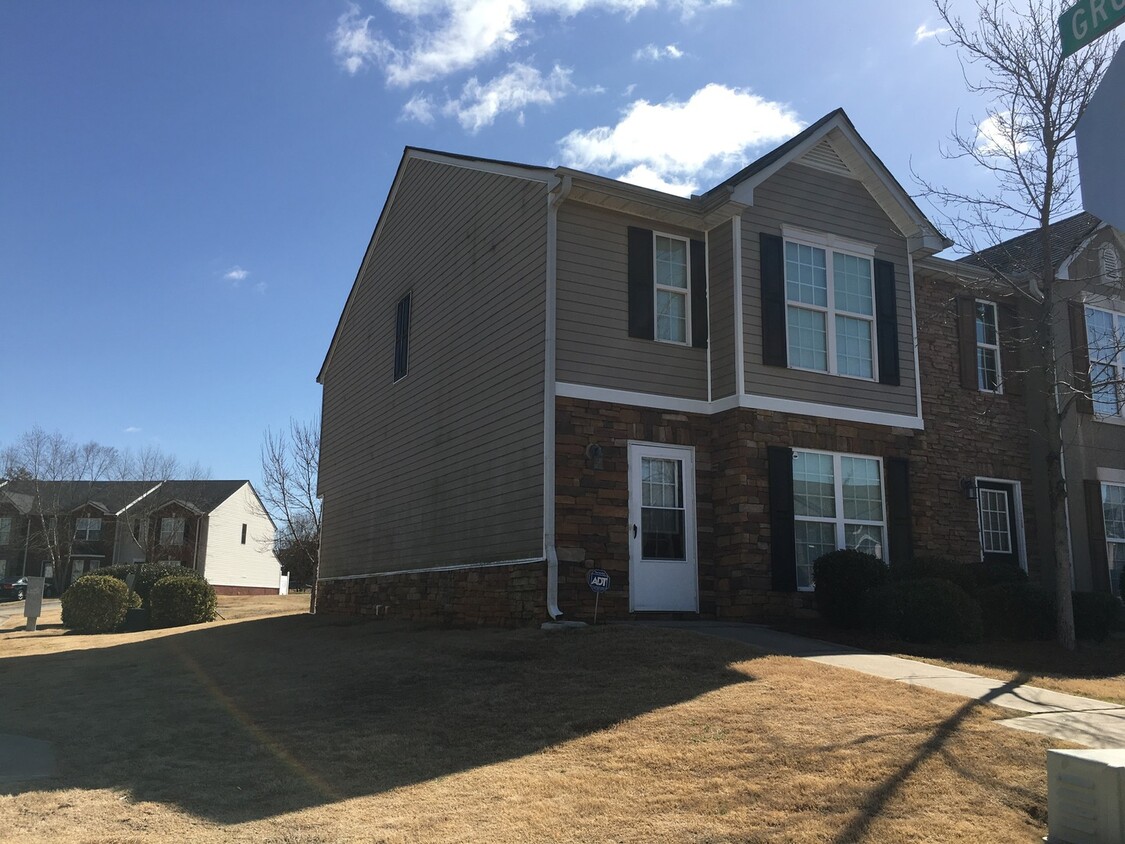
(557, 193)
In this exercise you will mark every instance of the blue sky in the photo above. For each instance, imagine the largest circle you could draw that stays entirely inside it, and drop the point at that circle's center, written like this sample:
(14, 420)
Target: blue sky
(188, 188)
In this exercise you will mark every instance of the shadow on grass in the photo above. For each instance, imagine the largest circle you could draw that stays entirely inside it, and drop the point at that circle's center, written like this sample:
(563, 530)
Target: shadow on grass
(253, 719)
(878, 798)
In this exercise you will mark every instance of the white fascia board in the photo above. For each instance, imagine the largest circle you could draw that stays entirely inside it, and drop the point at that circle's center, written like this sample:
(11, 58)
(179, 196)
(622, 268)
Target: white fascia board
(673, 404)
(139, 499)
(743, 192)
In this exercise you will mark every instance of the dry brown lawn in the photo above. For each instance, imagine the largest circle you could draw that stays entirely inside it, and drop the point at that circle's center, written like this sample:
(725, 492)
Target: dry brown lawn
(301, 729)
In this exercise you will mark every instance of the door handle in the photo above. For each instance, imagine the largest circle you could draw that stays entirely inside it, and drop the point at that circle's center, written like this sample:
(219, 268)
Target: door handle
(634, 531)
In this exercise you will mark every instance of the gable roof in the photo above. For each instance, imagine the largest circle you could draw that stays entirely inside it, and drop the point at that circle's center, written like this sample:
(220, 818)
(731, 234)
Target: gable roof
(1024, 254)
(113, 497)
(844, 146)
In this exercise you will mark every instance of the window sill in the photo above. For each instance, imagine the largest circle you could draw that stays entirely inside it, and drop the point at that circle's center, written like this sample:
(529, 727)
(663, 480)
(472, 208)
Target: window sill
(834, 374)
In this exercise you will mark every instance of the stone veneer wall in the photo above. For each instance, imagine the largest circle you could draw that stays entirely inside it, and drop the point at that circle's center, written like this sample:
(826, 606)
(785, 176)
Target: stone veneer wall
(500, 596)
(968, 433)
(592, 501)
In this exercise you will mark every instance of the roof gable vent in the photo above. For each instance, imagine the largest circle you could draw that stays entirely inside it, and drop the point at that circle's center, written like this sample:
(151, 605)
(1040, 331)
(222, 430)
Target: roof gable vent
(824, 157)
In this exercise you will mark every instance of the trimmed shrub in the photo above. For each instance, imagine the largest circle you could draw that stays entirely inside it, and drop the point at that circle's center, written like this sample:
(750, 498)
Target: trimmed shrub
(1018, 611)
(180, 600)
(97, 604)
(1094, 615)
(841, 579)
(926, 610)
(145, 575)
(989, 574)
(933, 567)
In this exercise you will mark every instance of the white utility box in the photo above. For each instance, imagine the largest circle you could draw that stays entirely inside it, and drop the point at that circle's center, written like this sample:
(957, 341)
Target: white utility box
(1085, 796)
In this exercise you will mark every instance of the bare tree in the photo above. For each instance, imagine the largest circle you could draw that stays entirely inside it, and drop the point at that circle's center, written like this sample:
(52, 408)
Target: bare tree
(1035, 98)
(290, 460)
(61, 476)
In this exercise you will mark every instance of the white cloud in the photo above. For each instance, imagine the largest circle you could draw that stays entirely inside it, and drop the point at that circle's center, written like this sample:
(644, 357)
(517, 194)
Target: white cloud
(479, 105)
(674, 146)
(236, 274)
(260, 287)
(132, 429)
(997, 135)
(652, 53)
(925, 32)
(420, 109)
(446, 36)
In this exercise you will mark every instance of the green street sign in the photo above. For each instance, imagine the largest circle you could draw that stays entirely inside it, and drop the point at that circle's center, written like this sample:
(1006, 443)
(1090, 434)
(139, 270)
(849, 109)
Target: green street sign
(1088, 20)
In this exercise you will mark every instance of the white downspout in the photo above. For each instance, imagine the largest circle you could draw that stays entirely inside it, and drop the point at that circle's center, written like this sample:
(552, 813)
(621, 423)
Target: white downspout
(555, 196)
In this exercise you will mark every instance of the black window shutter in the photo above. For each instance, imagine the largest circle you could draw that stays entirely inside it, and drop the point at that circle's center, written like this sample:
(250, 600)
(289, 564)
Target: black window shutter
(699, 294)
(772, 257)
(641, 283)
(886, 322)
(1080, 358)
(900, 538)
(783, 544)
(1011, 369)
(967, 341)
(1095, 532)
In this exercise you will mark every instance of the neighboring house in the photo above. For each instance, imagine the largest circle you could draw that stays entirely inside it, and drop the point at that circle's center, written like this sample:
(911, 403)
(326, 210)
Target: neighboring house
(540, 371)
(1088, 256)
(218, 528)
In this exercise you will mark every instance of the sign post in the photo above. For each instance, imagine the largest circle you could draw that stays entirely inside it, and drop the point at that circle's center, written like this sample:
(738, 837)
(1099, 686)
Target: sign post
(598, 579)
(1087, 21)
(33, 601)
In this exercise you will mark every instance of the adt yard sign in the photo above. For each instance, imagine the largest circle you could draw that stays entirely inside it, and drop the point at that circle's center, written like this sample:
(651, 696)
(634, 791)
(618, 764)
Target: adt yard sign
(598, 580)
(1088, 20)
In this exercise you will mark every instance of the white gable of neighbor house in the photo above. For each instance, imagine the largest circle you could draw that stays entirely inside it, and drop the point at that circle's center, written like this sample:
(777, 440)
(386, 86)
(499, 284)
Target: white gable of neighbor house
(229, 562)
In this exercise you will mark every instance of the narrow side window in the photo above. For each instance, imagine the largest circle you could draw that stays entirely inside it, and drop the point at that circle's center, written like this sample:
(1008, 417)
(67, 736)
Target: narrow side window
(402, 336)
(244, 534)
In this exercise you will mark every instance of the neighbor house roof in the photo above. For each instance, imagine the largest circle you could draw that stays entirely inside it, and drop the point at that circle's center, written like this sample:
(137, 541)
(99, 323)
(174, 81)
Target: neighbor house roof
(1023, 255)
(116, 496)
(204, 496)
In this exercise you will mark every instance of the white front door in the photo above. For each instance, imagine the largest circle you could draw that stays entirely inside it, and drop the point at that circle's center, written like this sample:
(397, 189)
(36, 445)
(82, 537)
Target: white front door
(663, 571)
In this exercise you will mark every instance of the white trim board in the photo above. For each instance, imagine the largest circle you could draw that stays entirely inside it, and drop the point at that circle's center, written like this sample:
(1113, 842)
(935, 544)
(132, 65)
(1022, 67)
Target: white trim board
(750, 402)
(457, 567)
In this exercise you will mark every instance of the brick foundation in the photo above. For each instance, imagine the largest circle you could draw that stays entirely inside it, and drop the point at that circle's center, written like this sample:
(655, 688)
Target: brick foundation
(500, 596)
(245, 590)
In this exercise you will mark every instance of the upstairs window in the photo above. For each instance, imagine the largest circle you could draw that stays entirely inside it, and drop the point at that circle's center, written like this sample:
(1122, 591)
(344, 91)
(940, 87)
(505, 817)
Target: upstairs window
(830, 310)
(672, 279)
(402, 337)
(1105, 340)
(88, 530)
(172, 531)
(988, 347)
(5, 530)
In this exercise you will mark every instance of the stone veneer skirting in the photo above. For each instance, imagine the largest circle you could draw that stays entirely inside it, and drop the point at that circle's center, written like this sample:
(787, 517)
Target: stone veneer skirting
(502, 596)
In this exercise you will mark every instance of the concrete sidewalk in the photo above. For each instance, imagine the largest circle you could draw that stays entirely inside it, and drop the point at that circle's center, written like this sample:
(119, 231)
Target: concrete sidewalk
(1093, 723)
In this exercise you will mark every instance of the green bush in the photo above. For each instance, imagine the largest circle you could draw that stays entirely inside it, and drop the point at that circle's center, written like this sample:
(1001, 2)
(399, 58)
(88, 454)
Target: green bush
(1017, 611)
(97, 604)
(989, 574)
(933, 567)
(1094, 614)
(926, 610)
(841, 578)
(145, 575)
(181, 599)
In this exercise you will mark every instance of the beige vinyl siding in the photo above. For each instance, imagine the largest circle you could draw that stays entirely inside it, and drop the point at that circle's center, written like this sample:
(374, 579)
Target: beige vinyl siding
(817, 201)
(445, 466)
(225, 560)
(720, 300)
(594, 346)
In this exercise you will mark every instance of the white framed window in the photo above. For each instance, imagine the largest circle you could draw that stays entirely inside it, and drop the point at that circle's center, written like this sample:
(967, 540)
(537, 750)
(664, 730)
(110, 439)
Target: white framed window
(5, 530)
(837, 503)
(671, 267)
(830, 305)
(988, 347)
(1105, 340)
(172, 531)
(89, 530)
(1113, 511)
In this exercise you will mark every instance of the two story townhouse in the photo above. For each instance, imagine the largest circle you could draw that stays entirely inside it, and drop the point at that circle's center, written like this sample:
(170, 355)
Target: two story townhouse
(218, 528)
(1089, 331)
(539, 371)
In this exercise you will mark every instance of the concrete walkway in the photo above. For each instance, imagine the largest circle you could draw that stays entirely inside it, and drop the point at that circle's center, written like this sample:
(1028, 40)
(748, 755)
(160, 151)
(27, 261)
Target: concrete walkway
(1093, 723)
